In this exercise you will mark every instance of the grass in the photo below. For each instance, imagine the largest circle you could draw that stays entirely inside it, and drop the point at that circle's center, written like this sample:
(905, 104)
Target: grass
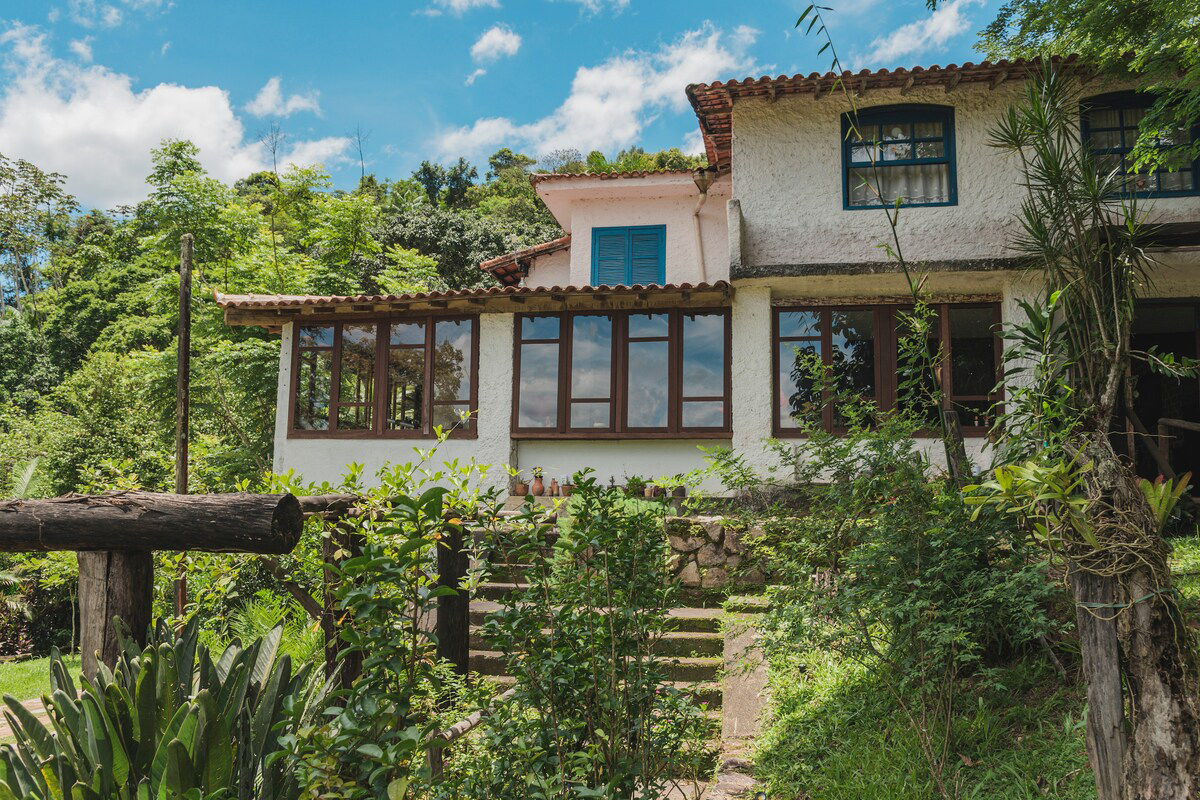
(26, 680)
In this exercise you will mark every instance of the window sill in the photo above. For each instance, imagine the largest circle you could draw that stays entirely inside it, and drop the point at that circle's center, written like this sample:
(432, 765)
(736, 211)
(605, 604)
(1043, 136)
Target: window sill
(968, 433)
(622, 436)
(393, 436)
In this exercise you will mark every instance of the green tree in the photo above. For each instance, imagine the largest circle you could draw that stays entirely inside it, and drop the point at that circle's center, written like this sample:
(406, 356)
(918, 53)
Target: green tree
(432, 178)
(34, 215)
(459, 179)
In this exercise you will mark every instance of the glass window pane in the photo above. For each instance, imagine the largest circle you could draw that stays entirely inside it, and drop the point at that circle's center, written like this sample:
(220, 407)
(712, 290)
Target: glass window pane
(452, 360)
(1104, 140)
(931, 150)
(406, 388)
(539, 327)
(357, 375)
(591, 357)
(538, 392)
(896, 152)
(644, 326)
(972, 351)
(896, 130)
(798, 392)
(450, 416)
(704, 414)
(316, 336)
(864, 155)
(356, 417)
(974, 413)
(408, 333)
(1104, 118)
(853, 351)
(799, 323)
(704, 355)
(648, 382)
(591, 415)
(916, 184)
(928, 130)
(1180, 181)
(313, 378)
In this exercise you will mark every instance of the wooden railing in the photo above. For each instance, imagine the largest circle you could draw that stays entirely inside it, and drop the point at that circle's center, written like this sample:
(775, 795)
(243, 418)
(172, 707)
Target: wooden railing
(443, 739)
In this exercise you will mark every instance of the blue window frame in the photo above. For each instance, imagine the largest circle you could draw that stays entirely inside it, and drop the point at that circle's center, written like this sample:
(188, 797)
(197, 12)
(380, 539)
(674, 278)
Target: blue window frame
(899, 152)
(629, 255)
(1110, 128)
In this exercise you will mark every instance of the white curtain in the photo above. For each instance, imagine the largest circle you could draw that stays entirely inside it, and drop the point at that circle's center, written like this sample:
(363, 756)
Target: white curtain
(916, 183)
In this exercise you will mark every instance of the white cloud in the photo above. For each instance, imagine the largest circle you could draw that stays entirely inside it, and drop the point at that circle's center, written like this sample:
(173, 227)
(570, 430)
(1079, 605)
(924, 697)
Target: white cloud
(89, 123)
(457, 7)
(476, 75)
(165, 47)
(96, 13)
(496, 42)
(270, 102)
(82, 48)
(596, 6)
(612, 102)
(919, 37)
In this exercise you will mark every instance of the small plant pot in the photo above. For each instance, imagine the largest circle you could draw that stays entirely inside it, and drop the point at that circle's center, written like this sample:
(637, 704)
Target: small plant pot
(568, 489)
(537, 488)
(653, 492)
(679, 491)
(521, 488)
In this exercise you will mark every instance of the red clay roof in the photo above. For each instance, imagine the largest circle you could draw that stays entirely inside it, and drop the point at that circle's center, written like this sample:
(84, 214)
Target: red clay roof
(713, 102)
(539, 177)
(508, 268)
(248, 309)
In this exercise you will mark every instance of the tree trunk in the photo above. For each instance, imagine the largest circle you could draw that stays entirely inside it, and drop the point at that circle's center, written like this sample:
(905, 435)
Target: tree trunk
(1100, 651)
(220, 523)
(1163, 759)
(112, 584)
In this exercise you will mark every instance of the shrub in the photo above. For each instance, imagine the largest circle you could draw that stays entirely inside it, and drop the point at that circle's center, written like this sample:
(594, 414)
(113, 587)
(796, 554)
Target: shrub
(168, 721)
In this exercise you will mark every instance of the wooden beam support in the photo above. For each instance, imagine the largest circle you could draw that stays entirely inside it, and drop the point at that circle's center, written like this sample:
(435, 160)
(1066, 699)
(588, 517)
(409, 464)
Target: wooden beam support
(112, 584)
(955, 78)
(772, 92)
(221, 523)
(908, 84)
(999, 79)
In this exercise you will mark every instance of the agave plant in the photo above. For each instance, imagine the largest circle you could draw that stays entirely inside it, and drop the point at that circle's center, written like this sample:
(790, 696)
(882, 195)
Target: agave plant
(167, 722)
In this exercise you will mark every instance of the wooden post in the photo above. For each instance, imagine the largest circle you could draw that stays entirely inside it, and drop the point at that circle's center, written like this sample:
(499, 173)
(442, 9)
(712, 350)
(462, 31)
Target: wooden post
(956, 449)
(112, 583)
(183, 389)
(454, 611)
(342, 537)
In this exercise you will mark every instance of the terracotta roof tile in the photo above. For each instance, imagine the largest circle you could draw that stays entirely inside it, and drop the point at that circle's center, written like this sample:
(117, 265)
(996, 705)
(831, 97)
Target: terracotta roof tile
(713, 102)
(508, 268)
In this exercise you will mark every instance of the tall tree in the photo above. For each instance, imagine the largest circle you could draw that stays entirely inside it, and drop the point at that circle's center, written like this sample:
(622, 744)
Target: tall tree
(34, 214)
(1085, 239)
(459, 179)
(432, 178)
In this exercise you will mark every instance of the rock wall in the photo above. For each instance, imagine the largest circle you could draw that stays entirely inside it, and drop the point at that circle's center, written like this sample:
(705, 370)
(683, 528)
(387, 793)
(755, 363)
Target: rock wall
(710, 553)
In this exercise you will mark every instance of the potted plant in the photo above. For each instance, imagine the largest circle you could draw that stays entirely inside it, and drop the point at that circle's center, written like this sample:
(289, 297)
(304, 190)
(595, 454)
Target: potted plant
(653, 491)
(635, 485)
(520, 487)
(537, 488)
(567, 486)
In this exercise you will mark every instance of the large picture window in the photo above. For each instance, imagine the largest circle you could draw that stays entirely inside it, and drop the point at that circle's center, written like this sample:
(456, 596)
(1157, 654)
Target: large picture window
(903, 153)
(1110, 129)
(385, 377)
(622, 374)
(858, 346)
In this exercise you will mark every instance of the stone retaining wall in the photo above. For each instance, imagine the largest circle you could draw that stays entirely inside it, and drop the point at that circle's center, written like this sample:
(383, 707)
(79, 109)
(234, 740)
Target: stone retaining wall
(707, 553)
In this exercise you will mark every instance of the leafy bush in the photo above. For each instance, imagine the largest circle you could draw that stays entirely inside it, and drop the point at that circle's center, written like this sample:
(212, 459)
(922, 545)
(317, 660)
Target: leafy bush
(168, 721)
(592, 714)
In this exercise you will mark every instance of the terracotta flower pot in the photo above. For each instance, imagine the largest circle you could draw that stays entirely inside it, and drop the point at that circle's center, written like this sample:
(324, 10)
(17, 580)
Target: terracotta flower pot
(521, 489)
(537, 488)
(568, 489)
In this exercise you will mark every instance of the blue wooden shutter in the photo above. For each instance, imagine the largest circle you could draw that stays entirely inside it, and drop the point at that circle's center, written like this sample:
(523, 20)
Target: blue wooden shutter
(609, 256)
(646, 256)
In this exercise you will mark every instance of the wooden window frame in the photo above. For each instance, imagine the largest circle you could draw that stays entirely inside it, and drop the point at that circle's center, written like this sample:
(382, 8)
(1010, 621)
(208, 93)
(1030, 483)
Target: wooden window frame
(886, 361)
(618, 427)
(1120, 102)
(878, 116)
(382, 350)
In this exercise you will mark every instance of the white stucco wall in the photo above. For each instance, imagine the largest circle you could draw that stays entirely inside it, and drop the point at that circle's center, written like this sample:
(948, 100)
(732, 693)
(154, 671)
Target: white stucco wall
(670, 200)
(617, 459)
(787, 175)
(551, 270)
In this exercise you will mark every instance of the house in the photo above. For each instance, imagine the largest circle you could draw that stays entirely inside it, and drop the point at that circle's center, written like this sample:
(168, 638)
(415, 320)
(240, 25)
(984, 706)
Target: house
(668, 316)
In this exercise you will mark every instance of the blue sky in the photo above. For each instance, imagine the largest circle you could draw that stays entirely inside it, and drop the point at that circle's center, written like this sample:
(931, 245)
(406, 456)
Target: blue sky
(87, 87)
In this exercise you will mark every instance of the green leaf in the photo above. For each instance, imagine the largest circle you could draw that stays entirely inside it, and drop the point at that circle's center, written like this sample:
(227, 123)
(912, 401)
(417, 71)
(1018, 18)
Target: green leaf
(397, 789)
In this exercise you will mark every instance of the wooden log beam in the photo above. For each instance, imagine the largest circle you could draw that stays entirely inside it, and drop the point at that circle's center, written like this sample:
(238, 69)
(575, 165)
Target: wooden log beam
(215, 523)
(454, 611)
(112, 584)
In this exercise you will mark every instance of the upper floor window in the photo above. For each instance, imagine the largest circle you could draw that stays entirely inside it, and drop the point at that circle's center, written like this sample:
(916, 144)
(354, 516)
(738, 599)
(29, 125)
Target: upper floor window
(858, 345)
(1110, 129)
(623, 374)
(399, 377)
(903, 153)
(629, 255)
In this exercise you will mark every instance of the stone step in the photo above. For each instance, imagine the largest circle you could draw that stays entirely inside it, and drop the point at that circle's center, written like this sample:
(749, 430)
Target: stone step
(690, 669)
(747, 604)
(676, 643)
(697, 620)
(706, 692)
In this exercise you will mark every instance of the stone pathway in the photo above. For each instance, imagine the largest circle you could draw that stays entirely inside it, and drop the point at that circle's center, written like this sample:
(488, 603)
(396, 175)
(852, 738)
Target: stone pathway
(34, 706)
